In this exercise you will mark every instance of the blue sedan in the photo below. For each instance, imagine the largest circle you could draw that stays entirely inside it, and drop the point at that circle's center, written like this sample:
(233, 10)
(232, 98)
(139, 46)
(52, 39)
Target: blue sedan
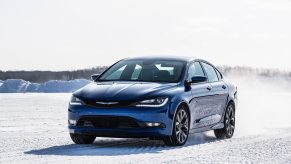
(154, 97)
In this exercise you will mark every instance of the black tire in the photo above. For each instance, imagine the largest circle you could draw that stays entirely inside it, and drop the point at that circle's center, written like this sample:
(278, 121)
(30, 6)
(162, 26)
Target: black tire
(82, 139)
(229, 124)
(180, 128)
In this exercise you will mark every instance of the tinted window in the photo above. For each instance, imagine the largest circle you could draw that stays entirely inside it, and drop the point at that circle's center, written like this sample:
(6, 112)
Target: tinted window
(211, 73)
(145, 70)
(195, 69)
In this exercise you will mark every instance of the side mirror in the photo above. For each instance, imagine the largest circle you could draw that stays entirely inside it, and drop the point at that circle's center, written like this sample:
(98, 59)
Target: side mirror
(195, 79)
(198, 79)
(94, 77)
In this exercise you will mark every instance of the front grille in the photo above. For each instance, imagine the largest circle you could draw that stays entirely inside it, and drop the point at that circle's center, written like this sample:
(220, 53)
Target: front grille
(107, 122)
(108, 104)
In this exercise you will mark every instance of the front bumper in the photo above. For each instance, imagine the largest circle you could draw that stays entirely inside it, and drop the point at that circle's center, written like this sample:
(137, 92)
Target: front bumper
(140, 115)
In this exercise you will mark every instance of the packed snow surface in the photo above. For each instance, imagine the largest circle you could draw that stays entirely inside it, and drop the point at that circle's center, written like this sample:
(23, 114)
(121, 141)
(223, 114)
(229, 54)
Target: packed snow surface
(33, 129)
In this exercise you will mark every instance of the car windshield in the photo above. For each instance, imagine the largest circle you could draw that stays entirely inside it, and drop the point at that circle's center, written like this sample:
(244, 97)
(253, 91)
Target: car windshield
(145, 70)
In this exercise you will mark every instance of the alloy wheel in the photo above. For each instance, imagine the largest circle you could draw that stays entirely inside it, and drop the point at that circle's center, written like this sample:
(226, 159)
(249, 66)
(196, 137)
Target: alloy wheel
(182, 126)
(230, 120)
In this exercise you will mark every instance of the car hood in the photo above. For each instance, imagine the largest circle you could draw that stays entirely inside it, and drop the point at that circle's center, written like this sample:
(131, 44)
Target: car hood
(108, 91)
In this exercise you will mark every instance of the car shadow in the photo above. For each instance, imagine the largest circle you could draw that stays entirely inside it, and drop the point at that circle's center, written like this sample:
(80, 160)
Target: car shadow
(113, 147)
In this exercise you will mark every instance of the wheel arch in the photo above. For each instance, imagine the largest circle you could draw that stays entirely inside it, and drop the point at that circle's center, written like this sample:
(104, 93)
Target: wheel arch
(186, 107)
(177, 106)
(230, 101)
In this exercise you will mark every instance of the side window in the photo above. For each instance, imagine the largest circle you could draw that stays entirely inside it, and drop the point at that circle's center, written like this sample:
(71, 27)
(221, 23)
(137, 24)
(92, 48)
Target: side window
(195, 69)
(218, 74)
(211, 72)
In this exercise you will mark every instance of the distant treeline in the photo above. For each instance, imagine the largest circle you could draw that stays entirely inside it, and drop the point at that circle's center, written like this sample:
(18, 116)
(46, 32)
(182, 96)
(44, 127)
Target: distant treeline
(43, 76)
(245, 71)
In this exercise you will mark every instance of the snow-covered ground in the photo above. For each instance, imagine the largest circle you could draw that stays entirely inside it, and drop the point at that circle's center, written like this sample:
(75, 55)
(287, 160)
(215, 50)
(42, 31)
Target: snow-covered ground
(33, 129)
(52, 86)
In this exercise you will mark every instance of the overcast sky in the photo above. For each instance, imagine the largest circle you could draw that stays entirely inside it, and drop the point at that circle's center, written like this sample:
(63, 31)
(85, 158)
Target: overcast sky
(66, 35)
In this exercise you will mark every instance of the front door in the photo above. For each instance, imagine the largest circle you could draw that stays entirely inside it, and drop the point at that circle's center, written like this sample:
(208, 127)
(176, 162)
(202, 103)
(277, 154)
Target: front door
(216, 102)
(201, 104)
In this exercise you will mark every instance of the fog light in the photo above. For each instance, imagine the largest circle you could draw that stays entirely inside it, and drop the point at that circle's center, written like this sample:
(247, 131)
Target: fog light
(153, 124)
(72, 122)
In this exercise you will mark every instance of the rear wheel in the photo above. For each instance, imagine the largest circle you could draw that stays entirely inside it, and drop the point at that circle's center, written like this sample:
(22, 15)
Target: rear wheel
(180, 129)
(82, 139)
(229, 124)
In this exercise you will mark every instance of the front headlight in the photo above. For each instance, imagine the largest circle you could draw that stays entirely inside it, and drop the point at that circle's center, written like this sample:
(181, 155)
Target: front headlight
(156, 102)
(75, 101)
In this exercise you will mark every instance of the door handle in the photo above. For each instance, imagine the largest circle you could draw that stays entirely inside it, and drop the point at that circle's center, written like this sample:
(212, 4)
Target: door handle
(209, 88)
(223, 86)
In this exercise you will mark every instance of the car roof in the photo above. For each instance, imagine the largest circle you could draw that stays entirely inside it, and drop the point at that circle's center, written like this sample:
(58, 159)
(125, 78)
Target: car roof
(178, 58)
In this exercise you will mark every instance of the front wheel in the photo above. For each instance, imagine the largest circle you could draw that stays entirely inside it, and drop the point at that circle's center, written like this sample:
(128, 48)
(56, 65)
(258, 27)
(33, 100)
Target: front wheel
(180, 129)
(229, 124)
(82, 139)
